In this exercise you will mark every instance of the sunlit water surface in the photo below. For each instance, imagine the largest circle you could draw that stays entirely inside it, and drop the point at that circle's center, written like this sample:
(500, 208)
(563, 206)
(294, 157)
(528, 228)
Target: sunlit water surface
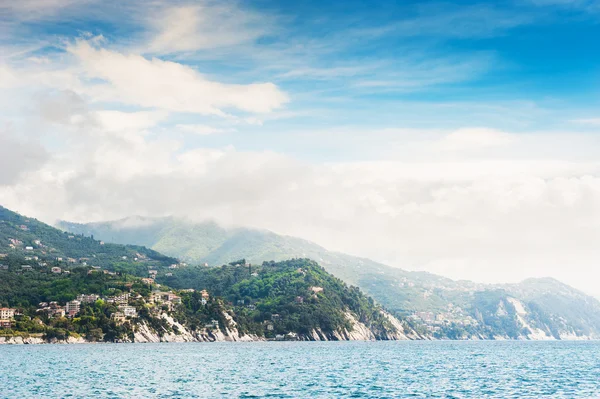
(303, 370)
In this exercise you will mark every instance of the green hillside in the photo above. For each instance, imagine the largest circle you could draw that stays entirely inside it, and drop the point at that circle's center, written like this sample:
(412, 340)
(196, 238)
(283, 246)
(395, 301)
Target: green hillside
(302, 295)
(441, 306)
(28, 241)
(41, 264)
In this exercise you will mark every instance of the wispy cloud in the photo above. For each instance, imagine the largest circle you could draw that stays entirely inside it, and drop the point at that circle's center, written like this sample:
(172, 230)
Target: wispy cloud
(202, 130)
(133, 79)
(446, 21)
(202, 27)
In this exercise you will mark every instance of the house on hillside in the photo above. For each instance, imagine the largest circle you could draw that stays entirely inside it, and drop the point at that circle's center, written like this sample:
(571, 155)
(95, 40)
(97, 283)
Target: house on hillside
(122, 299)
(213, 324)
(118, 317)
(7, 313)
(56, 270)
(128, 311)
(72, 308)
(6, 323)
(91, 298)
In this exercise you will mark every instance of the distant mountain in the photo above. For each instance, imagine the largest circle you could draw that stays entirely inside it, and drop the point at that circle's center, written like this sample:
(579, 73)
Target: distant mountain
(435, 305)
(296, 299)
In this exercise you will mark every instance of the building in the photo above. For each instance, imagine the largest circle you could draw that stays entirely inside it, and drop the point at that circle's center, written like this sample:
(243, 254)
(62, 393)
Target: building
(3, 267)
(28, 248)
(170, 297)
(299, 299)
(57, 270)
(118, 317)
(148, 281)
(91, 298)
(26, 267)
(6, 323)
(7, 313)
(72, 308)
(213, 324)
(122, 299)
(128, 311)
(205, 295)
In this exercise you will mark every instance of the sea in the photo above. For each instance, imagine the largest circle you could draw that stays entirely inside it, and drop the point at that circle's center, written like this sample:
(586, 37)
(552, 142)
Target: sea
(439, 369)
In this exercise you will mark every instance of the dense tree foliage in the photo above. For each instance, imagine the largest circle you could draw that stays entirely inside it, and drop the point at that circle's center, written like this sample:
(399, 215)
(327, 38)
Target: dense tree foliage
(294, 296)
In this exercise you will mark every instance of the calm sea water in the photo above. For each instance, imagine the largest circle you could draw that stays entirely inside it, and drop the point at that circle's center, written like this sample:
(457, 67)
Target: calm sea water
(303, 370)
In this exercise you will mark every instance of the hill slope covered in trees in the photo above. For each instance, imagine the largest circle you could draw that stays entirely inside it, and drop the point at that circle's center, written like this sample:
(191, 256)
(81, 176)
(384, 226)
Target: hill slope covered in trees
(40, 265)
(534, 309)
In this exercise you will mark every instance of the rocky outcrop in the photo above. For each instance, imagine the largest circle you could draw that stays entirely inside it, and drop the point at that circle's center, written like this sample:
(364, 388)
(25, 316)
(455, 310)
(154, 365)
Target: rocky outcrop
(18, 340)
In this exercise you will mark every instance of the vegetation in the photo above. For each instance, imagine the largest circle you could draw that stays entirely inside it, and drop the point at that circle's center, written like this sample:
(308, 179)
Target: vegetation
(294, 296)
(41, 264)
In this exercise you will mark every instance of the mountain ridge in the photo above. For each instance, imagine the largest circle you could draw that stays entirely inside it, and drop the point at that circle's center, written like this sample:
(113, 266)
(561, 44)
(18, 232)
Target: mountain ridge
(43, 272)
(421, 295)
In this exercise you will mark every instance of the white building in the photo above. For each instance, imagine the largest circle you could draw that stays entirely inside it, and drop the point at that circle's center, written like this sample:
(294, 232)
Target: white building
(7, 313)
(72, 308)
(128, 311)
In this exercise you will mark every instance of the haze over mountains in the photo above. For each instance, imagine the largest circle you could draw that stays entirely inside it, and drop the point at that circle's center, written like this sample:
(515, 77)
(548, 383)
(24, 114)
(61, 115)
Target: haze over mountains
(535, 308)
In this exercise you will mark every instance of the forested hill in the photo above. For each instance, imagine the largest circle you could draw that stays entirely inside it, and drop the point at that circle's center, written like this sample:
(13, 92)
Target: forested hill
(42, 265)
(534, 309)
(297, 295)
(27, 241)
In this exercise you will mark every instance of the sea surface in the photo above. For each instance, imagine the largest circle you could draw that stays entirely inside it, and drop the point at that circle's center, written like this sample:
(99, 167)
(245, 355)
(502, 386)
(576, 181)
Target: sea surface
(303, 370)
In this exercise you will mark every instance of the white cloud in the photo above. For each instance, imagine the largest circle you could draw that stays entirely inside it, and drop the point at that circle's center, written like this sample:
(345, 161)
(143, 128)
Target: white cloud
(492, 220)
(135, 80)
(18, 156)
(201, 130)
(117, 121)
(470, 139)
(205, 26)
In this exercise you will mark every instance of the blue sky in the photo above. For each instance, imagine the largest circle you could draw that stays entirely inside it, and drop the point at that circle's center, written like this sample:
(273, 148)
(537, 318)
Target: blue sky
(455, 137)
(377, 64)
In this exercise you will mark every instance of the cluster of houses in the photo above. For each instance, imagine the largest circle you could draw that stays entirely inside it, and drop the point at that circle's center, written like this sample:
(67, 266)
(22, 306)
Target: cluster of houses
(72, 308)
(435, 321)
(7, 317)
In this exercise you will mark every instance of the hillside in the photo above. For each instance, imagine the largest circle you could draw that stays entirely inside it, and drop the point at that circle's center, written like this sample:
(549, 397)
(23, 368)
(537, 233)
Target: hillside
(27, 241)
(435, 305)
(298, 299)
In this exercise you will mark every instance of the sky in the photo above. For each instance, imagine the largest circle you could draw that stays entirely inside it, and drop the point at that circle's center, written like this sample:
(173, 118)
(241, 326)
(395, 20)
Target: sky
(460, 138)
